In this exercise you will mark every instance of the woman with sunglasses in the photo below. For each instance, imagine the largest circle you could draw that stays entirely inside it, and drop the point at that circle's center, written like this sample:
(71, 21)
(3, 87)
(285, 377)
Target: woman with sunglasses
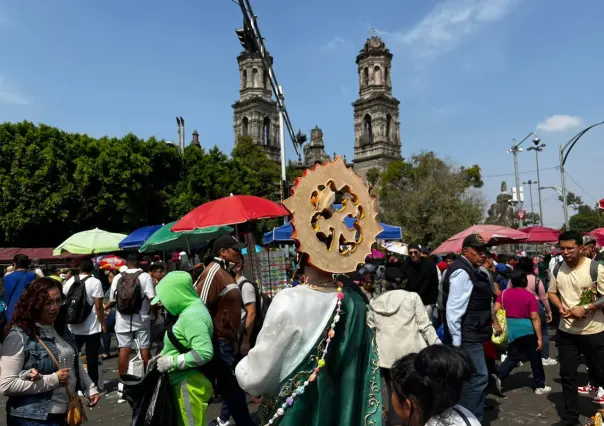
(40, 369)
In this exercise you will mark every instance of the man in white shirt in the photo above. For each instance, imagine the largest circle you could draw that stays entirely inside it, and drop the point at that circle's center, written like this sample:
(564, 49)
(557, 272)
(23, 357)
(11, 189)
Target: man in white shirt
(137, 325)
(89, 331)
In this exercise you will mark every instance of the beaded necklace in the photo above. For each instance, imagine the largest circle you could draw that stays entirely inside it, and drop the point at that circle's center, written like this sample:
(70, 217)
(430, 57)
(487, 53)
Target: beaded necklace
(331, 334)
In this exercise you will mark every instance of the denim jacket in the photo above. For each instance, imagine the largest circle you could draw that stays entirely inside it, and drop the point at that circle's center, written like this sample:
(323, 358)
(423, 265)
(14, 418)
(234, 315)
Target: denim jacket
(36, 406)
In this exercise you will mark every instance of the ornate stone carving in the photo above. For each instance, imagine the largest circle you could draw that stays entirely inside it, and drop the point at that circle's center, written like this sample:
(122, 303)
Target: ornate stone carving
(502, 211)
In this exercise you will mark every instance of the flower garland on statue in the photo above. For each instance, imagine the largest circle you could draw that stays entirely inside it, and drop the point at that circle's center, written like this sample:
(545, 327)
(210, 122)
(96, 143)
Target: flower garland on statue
(331, 334)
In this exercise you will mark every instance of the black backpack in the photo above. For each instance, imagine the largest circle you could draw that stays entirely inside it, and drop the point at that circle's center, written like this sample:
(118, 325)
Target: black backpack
(129, 294)
(212, 370)
(262, 304)
(76, 302)
(593, 271)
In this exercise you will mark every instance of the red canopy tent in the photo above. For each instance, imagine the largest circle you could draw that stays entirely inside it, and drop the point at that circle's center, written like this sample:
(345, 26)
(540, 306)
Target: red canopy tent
(43, 254)
(492, 234)
(540, 234)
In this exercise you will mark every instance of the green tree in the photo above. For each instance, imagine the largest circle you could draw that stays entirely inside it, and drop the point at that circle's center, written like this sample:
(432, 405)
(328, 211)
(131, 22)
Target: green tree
(586, 219)
(531, 219)
(372, 176)
(572, 200)
(430, 198)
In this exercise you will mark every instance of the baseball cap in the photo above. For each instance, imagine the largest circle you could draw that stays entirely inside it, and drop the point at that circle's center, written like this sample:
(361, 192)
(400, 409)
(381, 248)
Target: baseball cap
(475, 241)
(588, 239)
(225, 242)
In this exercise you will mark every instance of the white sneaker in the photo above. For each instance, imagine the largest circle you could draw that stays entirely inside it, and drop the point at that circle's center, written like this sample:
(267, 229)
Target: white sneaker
(543, 391)
(503, 357)
(548, 361)
(599, 398)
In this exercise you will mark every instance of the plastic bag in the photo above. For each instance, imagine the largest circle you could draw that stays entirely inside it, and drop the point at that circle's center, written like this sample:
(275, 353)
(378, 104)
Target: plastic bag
(136, 366)
(156, 408)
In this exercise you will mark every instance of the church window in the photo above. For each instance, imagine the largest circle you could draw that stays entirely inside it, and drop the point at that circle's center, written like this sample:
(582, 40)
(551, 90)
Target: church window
(255, 82)
(244, 77)
(388, 126)
(266, 131)
(265, 79)
(367, 130)
(386, 76)
(245, 131)
(365, 79)
(377, 75)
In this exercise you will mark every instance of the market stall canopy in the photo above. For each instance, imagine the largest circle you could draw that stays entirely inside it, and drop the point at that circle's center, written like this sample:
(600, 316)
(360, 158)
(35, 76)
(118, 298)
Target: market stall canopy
(283, 233)
(165, 239)
(492, 234)
(230, 210)
(89, 242)
(7, 254)
(540, 234)
(138, 237)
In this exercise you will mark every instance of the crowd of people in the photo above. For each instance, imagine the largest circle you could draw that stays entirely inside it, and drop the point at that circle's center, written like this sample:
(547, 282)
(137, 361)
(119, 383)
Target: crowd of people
(215, 334)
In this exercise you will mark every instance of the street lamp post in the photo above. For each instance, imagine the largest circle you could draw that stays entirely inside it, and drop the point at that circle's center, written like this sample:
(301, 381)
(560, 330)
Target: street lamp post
(538, 148)
(515, 149)
(564, 151)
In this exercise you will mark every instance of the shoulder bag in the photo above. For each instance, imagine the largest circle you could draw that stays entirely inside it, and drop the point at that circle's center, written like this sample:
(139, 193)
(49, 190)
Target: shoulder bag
(76, 415)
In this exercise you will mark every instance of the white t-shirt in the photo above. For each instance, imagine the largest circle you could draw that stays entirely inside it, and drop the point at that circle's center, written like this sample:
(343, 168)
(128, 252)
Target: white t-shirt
(248, 295)
(128, 323)
(94, 290)
(451, 417)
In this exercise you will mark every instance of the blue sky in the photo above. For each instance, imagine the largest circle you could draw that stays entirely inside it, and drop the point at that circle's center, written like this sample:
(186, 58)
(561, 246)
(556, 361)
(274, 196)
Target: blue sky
(470, 75)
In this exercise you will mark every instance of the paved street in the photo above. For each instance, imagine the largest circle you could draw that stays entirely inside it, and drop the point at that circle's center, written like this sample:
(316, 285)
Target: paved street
(521, 406)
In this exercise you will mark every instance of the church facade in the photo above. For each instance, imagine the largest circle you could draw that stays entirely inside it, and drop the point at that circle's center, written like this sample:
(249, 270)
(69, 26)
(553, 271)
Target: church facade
(377, 140)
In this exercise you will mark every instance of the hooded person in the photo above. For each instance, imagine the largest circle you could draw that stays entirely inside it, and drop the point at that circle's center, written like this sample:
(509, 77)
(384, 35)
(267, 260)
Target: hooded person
(315, 359)
(193, 330)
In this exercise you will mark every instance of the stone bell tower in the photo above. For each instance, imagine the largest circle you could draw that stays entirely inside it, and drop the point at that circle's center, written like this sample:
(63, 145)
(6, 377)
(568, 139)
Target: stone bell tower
(376, 113)
(255, 113)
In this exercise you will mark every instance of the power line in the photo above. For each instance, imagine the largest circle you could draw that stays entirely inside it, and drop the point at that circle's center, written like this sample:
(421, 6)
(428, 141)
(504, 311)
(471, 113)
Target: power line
(524, 172)
(579, 186)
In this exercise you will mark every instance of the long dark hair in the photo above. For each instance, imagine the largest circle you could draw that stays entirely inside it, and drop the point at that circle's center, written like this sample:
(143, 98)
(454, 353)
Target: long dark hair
(431, 379)
(30, 305)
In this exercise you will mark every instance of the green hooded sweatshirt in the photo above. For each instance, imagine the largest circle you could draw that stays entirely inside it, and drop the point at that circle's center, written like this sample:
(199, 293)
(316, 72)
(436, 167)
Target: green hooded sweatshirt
(194, 327)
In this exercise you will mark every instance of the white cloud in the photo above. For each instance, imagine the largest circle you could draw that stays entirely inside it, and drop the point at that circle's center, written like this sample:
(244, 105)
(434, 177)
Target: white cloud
(559, 123)
(336, 43)
(10, 96)
(449, 22)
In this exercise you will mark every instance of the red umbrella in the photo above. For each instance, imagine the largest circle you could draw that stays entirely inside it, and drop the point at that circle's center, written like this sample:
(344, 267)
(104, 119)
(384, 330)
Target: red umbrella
(229, 211)
(598, 234)
(540, 234)
(492, 234)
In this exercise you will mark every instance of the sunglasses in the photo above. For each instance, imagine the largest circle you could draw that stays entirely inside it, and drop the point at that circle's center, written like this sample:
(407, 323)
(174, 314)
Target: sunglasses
(413, 253)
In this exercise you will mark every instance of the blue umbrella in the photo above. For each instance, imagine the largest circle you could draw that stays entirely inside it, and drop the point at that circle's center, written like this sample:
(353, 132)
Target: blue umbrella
(138, 237)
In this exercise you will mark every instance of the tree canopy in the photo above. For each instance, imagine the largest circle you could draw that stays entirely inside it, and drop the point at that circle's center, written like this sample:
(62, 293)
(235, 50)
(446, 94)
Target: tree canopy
(430, 198)
(54, 183)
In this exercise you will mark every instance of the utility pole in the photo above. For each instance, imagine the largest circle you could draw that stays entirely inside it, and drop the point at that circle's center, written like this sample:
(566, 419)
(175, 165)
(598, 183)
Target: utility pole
(538, 148)
(530, 183)
(515, 149)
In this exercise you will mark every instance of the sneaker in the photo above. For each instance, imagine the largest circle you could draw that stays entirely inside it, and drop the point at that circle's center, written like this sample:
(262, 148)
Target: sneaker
(599, 398)
(543, 391)
(587, 390)
(548, 361)
(503, 357)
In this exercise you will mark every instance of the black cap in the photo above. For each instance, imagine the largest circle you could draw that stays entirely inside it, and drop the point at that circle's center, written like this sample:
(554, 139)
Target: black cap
(227, 241)
(475, 241)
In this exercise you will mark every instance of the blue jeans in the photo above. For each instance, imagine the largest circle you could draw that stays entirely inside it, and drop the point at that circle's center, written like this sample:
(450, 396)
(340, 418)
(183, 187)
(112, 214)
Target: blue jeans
(110, 322)
(234, 400)
(52, 420)
(474, 390)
